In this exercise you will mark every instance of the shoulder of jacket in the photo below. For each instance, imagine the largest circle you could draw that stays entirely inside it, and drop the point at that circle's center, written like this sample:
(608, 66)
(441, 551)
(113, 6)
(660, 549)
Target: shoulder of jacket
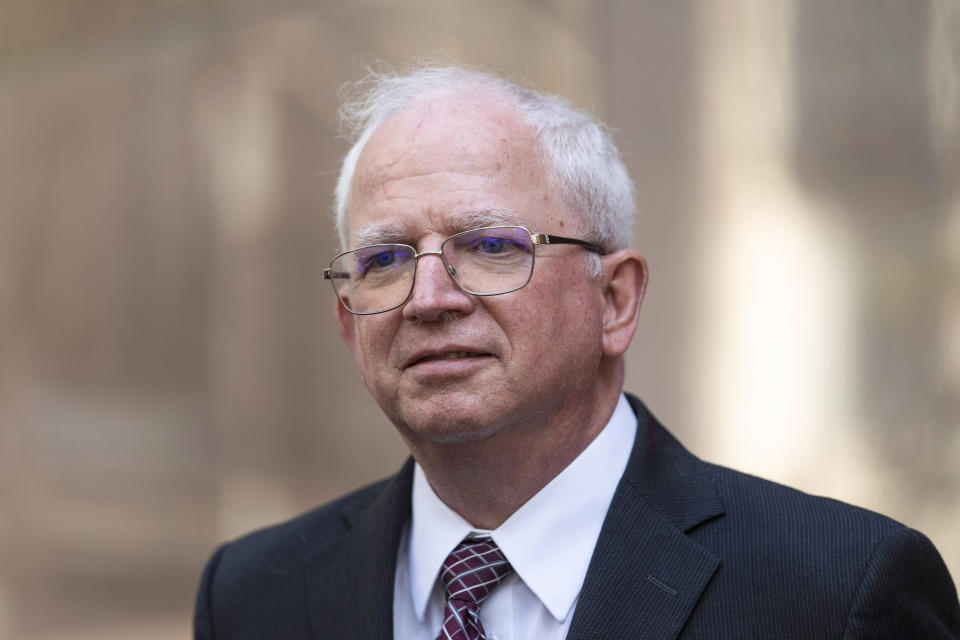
(285, 544)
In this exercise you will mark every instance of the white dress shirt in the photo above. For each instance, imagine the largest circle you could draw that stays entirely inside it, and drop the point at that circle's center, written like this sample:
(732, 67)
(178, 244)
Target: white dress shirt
(549, 542)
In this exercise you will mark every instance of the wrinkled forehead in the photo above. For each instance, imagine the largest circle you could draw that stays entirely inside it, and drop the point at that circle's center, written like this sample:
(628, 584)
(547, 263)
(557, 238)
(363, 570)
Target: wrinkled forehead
(444, 133)
(469, 157)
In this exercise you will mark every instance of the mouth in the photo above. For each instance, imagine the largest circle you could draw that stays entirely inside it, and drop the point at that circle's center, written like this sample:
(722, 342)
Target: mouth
(446, 355)
(453, 355)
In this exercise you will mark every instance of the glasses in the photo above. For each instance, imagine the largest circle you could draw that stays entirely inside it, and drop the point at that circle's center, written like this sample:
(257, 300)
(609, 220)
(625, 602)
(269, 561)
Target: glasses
(482, 262)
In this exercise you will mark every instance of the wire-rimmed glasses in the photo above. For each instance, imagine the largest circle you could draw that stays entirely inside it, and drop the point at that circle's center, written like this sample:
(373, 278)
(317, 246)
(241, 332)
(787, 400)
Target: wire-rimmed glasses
(489, 261)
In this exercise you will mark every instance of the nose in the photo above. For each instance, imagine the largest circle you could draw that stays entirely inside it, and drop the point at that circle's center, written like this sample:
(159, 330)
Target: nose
(435, 294)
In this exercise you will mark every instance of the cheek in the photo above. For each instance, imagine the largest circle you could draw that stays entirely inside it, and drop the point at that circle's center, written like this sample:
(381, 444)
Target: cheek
(372, 351)
(560, 328)
(574, 329)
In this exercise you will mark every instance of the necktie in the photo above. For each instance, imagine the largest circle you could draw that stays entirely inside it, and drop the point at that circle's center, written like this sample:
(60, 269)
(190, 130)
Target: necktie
(469, 574)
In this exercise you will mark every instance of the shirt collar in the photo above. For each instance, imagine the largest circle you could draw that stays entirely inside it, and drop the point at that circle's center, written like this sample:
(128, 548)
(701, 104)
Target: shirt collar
(549, 540)
(435, 530)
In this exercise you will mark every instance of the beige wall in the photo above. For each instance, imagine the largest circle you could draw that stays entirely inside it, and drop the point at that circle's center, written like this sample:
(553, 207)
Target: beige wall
(170, 372)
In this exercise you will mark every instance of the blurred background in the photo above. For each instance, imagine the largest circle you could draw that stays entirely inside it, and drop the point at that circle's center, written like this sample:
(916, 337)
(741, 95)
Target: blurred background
(170, 371)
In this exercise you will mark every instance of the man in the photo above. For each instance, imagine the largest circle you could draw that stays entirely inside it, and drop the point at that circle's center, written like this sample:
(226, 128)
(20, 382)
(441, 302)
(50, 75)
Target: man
(488, 295)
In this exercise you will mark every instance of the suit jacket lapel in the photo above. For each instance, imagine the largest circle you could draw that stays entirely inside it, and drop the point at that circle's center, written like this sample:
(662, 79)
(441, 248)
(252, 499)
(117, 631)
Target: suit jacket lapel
(350, 581)
(646, 574)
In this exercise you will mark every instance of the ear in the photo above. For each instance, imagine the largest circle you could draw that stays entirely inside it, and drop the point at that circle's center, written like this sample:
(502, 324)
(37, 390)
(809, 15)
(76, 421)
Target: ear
(624, 285)
(347, 324)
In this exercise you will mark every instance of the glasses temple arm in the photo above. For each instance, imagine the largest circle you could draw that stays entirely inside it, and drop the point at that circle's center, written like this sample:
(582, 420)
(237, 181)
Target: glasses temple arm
(544, 238)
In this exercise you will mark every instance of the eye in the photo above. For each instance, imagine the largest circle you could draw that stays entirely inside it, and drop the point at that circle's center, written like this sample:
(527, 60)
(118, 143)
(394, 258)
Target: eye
(377, 261)
(492, 245)
(384, 259)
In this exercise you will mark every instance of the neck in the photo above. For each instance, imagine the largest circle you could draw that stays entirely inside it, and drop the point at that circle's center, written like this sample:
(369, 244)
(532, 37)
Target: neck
(487, 480)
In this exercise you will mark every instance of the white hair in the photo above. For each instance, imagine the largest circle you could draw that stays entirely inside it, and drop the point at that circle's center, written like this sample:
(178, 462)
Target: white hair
(575, 149)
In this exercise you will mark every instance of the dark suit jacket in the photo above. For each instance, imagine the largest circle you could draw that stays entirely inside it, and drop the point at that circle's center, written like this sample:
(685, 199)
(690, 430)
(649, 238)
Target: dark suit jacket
(687, 550)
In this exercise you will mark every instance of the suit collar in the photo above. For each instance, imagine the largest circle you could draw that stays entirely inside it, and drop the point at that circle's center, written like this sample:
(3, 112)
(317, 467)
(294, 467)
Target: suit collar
(350, 580)
(674, 481)
(646, 574)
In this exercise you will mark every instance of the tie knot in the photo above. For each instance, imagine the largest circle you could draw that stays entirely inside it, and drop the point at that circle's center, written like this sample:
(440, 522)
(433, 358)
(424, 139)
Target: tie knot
(473, 569)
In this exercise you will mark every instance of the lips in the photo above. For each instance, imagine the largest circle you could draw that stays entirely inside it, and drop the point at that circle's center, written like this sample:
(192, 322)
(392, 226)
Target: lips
(444, 354)
(453, 355)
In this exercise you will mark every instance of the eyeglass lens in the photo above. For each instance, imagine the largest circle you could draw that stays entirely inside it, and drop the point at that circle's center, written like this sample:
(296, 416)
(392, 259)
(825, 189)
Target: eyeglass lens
(487, 261)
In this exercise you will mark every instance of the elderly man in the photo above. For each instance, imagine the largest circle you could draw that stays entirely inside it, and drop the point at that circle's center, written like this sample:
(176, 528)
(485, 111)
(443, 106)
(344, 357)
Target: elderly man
(488, 295)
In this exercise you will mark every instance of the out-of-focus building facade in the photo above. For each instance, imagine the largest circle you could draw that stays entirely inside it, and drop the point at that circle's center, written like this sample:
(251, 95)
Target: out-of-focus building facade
(170, 370)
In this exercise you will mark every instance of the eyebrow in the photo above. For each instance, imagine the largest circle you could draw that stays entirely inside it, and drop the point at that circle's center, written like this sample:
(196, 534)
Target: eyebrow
(392, 233)
(379, 233)
(485, 218)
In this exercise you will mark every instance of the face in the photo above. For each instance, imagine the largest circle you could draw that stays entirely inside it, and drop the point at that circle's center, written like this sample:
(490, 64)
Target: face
(448, 366)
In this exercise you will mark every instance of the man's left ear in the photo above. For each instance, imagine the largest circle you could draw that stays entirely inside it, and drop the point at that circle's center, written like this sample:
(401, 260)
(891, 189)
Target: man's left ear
(624, 284)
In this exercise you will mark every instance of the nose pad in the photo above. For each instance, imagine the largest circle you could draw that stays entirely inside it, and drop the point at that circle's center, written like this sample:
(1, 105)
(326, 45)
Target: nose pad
(425, 270)
(434, 294)
(449, 268)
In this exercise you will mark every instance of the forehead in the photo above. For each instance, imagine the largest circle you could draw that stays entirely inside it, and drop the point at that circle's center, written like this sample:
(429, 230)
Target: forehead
(450, 161)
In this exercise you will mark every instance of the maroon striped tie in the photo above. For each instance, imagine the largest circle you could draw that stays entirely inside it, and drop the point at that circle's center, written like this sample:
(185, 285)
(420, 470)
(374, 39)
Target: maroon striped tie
(469, 574)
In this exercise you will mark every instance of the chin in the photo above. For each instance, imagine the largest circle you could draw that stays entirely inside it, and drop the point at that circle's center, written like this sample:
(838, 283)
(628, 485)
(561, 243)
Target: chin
(445, 424)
